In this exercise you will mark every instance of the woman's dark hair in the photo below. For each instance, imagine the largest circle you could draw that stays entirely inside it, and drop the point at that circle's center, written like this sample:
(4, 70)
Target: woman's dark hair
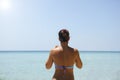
(63, 35)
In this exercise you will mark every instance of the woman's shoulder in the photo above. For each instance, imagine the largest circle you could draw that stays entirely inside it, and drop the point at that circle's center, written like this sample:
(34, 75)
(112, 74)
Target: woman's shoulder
(55, 49)
(74, 49)
(56, 46)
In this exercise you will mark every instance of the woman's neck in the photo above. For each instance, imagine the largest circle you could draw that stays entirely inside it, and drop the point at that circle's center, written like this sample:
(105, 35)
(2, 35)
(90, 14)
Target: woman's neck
(64, 44)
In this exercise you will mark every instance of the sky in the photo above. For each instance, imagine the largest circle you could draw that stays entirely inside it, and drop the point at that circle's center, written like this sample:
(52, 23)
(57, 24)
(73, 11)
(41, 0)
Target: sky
(94, 25)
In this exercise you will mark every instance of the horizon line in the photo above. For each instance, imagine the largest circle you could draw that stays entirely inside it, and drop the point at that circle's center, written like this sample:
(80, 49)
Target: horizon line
(49, 50)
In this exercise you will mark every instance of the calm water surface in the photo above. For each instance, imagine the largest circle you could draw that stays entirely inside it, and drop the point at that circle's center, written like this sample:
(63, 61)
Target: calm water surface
(31, 66)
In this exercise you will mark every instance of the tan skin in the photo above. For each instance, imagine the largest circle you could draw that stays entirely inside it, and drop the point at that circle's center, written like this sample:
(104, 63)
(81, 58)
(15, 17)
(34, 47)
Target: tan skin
(64, 56)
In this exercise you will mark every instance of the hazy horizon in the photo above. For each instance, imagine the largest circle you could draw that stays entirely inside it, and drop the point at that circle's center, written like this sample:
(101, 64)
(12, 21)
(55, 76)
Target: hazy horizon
(49, 50)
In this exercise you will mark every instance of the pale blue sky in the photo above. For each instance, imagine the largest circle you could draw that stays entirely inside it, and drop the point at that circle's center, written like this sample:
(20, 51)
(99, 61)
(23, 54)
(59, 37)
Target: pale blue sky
(34, 24)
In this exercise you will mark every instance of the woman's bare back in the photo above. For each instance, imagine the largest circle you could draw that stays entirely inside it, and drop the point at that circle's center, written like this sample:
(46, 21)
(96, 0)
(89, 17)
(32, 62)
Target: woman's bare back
(64, 57)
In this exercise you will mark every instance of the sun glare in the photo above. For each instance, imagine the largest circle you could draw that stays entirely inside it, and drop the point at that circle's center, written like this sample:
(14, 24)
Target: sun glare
(5, 4)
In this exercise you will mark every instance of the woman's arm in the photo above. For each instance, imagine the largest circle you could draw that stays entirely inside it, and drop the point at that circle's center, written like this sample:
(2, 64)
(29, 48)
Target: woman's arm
(78, 60)
(49, 61)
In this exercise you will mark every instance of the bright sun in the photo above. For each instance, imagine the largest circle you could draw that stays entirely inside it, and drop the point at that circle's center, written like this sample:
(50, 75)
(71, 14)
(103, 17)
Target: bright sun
(5, 4)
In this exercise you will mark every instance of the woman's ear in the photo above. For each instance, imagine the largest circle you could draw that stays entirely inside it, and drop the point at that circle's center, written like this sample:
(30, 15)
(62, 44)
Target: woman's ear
(68, 38)
(59, 39)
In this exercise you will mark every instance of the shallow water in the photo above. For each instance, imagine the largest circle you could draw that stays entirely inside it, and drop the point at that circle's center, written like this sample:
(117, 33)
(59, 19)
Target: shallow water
(31, 66)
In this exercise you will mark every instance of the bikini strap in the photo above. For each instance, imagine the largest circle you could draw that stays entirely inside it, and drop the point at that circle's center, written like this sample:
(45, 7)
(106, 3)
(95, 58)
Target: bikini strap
(63, 67)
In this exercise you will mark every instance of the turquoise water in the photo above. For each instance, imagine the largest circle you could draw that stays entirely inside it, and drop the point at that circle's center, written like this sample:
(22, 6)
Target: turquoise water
(31, 66)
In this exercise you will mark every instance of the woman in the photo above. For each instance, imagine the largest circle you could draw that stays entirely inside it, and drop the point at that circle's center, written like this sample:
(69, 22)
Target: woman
(64, 57)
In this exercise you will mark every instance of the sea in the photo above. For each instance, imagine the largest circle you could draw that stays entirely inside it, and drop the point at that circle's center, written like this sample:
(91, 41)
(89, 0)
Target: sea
(30, 65)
